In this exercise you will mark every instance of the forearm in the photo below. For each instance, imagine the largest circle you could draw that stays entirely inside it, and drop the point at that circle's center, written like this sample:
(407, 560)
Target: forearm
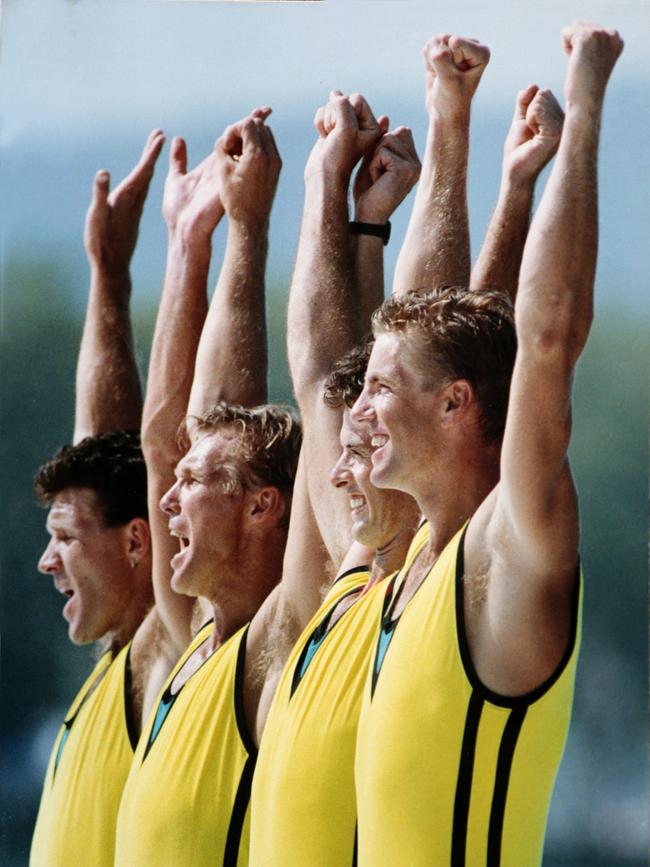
(498, 263)
(368, 270)
(108, 390)
(181, 314)
(323, 318)
(436, 250)
(555, 300)
(175, 610)
(232, 359)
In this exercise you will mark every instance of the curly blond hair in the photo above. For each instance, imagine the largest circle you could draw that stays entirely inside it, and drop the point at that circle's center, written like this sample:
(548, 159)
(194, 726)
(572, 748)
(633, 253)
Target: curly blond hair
(264, 449)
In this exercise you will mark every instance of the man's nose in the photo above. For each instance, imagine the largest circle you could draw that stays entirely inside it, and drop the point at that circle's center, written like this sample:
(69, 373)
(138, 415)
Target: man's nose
(50, 560)
(169, 501)
(362, 410)
(340, 474)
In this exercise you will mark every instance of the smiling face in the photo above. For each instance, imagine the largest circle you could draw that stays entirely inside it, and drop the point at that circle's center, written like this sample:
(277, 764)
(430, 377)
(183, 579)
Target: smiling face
(89, 564)
(400, 415)
(378, 516)
(205, 508)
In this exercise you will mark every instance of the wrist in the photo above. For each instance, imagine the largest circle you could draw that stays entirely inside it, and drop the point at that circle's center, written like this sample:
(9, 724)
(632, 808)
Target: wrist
(455, 119)
(517, 182)
(334, 182)
(376, 216)
(117, 272)
(247, 226)
(189, 238)
(380, 231)
(193, 248)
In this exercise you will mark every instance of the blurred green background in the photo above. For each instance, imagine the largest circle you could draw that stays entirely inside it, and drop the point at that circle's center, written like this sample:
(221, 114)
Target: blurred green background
(87, 81)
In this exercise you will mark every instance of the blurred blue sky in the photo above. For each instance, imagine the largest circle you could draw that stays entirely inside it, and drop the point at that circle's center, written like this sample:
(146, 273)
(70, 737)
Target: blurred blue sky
(85, 81)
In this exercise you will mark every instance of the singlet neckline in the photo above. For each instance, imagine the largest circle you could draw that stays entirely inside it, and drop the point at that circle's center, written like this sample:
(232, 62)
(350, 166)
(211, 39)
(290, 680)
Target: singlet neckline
(318, 636)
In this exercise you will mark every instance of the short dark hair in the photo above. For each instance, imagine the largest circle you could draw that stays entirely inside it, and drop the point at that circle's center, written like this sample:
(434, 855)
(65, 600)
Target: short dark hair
(111, 464)
(345, 381)
(464, 335)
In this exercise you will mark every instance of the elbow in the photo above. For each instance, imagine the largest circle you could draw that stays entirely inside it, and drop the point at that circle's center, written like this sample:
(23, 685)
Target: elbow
(559, 332)
(160, 448)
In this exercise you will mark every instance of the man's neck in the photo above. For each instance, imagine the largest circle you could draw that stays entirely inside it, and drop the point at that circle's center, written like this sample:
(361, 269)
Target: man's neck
(116, 639)
(453, 500)
(240, 593)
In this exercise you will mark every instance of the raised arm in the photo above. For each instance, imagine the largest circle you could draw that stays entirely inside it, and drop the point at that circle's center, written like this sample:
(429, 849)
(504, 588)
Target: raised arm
(436, 250)
(331, 296)
(108, 391)
(324, 320)
(192, 209)
(386, 175)
(231, 363)
(533, 532)
(531, 142)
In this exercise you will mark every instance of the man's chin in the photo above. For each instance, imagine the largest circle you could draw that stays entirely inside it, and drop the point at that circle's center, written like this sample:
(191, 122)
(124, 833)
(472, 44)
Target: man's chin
(380, 476)
(364, 533)
(181, 583)
(79, 635)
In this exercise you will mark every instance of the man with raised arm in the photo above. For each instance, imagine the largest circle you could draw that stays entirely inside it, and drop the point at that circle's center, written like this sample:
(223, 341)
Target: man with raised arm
(226, 504)
(303, 801)
(99, 554)
(468, 699)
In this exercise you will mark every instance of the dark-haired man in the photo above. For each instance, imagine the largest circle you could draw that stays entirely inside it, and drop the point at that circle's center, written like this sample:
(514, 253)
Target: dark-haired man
(468, 699)
(99, 553)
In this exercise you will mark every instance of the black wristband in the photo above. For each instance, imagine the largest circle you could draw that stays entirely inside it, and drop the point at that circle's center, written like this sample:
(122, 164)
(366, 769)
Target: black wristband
(379, 231)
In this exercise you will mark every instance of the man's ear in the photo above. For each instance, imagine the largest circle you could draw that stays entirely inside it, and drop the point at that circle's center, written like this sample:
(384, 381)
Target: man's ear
(457, 398)
(264, 504)
(138, 540)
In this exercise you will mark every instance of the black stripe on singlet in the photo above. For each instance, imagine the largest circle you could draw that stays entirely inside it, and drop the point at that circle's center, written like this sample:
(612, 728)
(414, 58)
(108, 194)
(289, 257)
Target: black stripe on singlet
(131, 728)
(504, 764)
(356, 570)
(231, 852)
(316, 639)
(68, 723)
(464, 781)
(243, 796)
(355, 854)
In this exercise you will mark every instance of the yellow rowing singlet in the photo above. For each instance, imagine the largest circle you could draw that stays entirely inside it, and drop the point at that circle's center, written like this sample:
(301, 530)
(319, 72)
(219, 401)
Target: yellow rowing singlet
(303, 802)
(447, 772)
(186, 799)
(86, 773)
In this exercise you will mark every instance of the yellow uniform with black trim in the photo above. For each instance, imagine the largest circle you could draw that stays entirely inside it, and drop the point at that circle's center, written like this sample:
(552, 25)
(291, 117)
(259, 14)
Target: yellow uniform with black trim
(87, 771)
(303, 801)
(447, 772)
(186, 798)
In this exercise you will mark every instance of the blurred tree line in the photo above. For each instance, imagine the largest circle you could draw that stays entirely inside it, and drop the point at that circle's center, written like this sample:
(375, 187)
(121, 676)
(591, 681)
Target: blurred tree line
(606, 758)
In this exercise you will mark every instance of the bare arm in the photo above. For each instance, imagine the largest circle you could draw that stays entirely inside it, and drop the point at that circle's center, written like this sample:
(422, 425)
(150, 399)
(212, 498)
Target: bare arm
(325, 289)
(532, 518)
(323, 318)
(532, 141)
(322, 289)
(386, 176)
(231, 362)
(436, 250)
(192, 208)
(108, 391)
